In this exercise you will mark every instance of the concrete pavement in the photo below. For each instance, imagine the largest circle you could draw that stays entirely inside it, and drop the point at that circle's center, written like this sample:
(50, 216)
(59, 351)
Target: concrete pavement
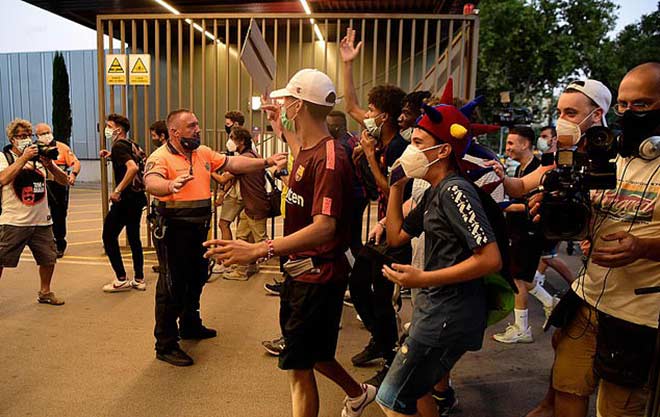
(94, 356)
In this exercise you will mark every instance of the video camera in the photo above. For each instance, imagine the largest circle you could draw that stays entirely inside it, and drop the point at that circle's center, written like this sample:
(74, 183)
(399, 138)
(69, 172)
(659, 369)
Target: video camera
(566, 207)
(510, 116)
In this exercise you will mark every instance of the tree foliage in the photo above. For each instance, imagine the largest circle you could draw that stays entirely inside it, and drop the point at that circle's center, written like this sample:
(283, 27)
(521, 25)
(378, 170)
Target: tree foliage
(62, 120)
(533, 47)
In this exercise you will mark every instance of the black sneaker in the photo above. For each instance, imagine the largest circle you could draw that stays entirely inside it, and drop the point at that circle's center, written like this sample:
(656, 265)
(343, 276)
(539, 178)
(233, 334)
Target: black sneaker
(274, 347)
(274, 288)
(377, 379)
(175, 357)
(200, 332)
(368, 354)
(60, 253)
(446, 401)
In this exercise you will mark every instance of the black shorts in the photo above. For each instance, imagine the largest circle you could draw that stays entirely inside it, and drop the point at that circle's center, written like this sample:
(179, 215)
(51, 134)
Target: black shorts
(525, 254)
(309, 319)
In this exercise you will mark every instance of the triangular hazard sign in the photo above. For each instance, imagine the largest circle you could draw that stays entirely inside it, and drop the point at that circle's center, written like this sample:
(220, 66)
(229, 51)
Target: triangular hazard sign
(115, 67)
(139, 67)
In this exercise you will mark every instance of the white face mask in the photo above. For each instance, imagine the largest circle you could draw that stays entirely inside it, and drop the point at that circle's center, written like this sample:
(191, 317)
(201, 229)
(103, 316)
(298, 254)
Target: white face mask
(542, 145)
(21, 144)
(231, 146)
(371, 126)
(46, 138)
(569, 133)
(109, 133)
(414, 161)
(407, 134)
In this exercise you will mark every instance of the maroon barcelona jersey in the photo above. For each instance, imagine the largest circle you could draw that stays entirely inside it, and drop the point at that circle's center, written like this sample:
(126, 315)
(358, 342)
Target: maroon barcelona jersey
(321, 183)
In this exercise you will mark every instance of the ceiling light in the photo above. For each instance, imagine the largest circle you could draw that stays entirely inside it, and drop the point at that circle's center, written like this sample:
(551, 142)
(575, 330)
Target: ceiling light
(306, 6)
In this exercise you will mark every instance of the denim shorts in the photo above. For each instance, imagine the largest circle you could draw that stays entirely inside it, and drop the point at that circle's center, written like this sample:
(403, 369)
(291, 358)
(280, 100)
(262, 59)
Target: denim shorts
(416, 369)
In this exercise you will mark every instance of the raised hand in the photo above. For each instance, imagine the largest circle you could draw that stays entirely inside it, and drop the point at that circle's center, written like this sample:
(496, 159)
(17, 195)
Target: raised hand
(347, 49)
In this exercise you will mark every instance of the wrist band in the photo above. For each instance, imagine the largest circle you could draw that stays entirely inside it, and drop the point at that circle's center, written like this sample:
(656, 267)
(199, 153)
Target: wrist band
(269, 254)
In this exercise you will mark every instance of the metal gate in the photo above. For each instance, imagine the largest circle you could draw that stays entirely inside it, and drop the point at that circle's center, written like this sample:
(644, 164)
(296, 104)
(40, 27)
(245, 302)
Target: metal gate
(196, 63)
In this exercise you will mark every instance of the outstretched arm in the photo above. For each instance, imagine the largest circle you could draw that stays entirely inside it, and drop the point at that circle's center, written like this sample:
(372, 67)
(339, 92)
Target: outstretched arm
(349, 52)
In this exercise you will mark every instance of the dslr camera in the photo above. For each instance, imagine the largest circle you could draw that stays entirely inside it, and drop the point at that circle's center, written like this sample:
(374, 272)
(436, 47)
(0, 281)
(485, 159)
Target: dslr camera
(566, 207)
(47, 150)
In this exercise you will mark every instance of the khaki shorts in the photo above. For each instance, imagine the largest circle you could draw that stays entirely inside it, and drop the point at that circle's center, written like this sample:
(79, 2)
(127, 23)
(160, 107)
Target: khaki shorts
(39, 239)
(251, 230)
(573, 370)
(231, 208)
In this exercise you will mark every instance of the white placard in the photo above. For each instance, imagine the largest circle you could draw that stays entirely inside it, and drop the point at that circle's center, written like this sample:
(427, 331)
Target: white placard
(258, 59)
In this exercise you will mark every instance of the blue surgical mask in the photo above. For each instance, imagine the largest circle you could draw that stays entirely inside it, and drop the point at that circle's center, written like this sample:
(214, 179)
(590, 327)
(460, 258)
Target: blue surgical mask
(190, 144)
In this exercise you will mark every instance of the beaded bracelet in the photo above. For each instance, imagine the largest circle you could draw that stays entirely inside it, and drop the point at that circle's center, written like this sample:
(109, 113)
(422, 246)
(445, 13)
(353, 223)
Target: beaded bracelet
(269, 254)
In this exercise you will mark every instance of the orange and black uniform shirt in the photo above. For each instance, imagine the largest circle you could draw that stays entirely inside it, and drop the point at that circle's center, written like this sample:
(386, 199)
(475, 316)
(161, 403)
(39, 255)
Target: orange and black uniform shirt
(193, 202)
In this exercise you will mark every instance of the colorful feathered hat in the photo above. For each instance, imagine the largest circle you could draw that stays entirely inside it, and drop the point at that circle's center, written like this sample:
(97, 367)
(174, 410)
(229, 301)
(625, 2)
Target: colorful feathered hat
(448, 124)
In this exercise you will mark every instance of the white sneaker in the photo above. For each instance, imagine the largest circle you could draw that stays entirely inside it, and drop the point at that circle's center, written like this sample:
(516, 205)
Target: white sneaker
(118, 286)
(139, 285)
(353, 407)
(513, 334)
(236, 275)
(219, 268)
(548, 310)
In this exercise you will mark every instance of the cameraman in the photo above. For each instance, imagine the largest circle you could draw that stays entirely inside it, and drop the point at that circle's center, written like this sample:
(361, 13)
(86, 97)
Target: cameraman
(611, 334)
(25, 217)
(582, 105)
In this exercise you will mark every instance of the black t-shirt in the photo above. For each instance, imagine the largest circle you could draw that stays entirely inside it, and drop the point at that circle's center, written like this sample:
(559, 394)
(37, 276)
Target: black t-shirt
(518, 223)
(122, 152)
(386, 158)
(454, 224)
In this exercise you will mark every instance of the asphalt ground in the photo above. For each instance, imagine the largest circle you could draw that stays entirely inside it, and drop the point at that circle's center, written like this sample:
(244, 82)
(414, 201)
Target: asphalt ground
(94, 355)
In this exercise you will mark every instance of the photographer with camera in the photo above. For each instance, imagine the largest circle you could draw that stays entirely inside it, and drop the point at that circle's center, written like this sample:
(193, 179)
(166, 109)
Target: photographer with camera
(607, 332)
(25, 218)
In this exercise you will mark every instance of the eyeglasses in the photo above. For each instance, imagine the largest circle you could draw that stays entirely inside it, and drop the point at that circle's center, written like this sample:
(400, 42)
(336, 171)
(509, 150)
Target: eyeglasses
(622, 106)
(24, 136)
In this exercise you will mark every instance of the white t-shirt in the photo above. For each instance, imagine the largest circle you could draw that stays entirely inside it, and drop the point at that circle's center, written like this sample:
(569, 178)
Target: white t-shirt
(636, 202)
(25, 200)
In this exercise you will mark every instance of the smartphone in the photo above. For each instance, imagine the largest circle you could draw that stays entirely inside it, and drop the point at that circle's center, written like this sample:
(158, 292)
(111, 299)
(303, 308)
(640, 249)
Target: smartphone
(397, 173)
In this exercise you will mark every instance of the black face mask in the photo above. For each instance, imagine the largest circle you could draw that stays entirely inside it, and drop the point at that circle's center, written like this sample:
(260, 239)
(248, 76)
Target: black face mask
(228, 129)
(190, 144)
(636, 128)
(334, 131)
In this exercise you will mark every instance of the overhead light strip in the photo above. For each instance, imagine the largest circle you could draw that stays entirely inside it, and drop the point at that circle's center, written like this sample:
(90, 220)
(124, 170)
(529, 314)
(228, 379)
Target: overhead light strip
(308, 11)
(197, 27)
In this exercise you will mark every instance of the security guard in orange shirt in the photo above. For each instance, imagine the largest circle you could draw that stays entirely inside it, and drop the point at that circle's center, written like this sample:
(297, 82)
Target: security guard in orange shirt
(58, 195)
(179, 176)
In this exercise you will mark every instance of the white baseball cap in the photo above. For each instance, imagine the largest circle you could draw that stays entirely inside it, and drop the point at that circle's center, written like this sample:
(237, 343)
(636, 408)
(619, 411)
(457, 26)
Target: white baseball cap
(309, 85)
(596, 91)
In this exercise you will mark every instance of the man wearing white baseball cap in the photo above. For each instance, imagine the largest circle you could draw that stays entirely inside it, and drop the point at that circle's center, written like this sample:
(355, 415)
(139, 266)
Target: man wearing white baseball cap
(583, 104)
(316, 236)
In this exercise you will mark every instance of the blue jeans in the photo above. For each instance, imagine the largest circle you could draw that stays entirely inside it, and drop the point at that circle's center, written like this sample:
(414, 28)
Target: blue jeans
(416, 369)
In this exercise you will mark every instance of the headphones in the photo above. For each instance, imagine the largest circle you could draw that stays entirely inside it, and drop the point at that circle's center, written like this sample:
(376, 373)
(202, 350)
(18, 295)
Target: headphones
(649, 149)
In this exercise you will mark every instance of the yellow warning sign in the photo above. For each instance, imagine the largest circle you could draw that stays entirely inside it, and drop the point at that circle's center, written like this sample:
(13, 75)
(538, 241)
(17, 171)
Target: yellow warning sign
(140, 69)
(115, 69)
